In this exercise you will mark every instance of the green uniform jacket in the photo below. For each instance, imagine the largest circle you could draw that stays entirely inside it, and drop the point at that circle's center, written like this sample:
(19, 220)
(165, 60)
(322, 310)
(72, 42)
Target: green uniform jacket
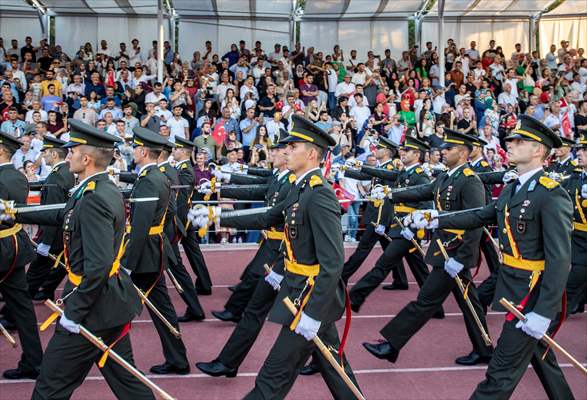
(565, 168)
(93, 223)
(55, 190)
(14, 186)
(143, 251)
(459, 191)
(415, 176)
(184, 195)
(482, 166)
(541, 223)
(573, 185)
(311, 214)
(384, 175)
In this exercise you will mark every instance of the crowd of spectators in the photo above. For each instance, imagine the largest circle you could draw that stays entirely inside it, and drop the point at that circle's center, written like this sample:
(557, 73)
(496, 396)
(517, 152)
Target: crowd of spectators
(240, 99)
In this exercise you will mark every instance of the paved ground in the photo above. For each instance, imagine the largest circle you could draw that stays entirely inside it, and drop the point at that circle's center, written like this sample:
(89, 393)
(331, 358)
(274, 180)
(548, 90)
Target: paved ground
(424, 371)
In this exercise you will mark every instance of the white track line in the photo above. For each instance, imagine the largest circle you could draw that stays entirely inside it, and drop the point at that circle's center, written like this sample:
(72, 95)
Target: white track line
(254, 374)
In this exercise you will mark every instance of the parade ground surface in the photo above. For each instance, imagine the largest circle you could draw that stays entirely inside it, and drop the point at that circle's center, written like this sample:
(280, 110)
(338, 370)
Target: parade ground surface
(425, 369)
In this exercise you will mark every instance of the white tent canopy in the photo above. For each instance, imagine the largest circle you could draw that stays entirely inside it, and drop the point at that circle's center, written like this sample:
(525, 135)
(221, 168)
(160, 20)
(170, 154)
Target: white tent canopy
(353, 24)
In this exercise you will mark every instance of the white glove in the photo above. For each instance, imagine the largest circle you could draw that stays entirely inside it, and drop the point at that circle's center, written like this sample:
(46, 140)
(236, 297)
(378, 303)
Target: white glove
(377, 193)
(380, 229)
(421, 222)
(453, 267)
(43, 249)
(535, 325)
(584, 191)
(407, 234)
(509, 176)
(200, 215)
(274, 279)
(4, 205)
(68, 324)
(407, 220)
(221, 176)
(205, 188)
(555, 176)
(352, 163)
(307, 327)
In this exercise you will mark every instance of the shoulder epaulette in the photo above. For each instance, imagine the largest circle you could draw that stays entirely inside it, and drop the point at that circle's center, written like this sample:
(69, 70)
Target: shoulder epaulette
(578, 170)
(468, 172)
(484, 164)
(315, 181)
(389, 166)
(292, 178)
(419, 170)
(548, 182)
(144, 173)
(162, 168)
(184, 166)
(90, 187)
(574, 163)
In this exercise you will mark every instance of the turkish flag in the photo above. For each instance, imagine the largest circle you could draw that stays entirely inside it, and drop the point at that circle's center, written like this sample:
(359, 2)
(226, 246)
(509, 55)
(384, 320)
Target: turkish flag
(566, 129)
(219, 133)
(344, 197)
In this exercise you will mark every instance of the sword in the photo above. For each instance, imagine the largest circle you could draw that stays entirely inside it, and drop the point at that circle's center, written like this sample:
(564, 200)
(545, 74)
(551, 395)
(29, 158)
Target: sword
(7, 335)
(414, 242)
(10, 209)
(546, 339)
(144, 298)
(328, 355)
(484, 334)
(96, 341)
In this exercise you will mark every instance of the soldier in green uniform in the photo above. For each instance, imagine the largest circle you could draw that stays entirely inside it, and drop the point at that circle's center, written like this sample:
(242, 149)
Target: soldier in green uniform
(457, 189)
(265, 291)
(98, 294)
(534, 216)
(563, 164)
(182, 153)
(55, 190)
(17, 251)
(487, 288)
(314, 257)
(576, 186)
(379, 212)
(411, 154)
(174, 230)
(144, 255)
(276, 187)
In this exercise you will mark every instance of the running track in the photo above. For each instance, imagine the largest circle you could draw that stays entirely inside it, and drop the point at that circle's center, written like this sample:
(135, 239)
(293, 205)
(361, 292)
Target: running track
(424, 371)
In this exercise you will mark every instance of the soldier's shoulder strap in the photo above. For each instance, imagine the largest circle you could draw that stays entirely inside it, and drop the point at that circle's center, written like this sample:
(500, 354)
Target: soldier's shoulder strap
(316, 181)
(547, 182)
(468, 172)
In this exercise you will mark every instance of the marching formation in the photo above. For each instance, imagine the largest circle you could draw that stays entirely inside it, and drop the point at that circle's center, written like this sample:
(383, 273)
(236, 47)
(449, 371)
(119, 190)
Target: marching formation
(116, 249)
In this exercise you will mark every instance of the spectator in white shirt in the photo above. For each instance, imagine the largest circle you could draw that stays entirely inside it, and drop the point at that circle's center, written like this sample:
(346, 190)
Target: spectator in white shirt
(25, 153)
(84, 113)
(345, 88)
(135, 53)
(36, 106)
(162, 112)
(178, 126)
(473, 53)
(358, 90)
(273, 126)
(360, 77)
(156, 94)
(513, 81)
(553, 119)
(360, 111)
(507, 97)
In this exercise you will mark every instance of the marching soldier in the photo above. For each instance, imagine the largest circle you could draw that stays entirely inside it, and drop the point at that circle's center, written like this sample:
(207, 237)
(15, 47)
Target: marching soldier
(563, 164)
(276, 188)
(55, 190)
(576, 186)
(182, 153)
(144, 255)
(314, 258)
(174, 230)
(534, 215)
(411, 154)
(487, 288)
(265, 291)
(378, 212)
(456, 189)
(17, 251)
(97, 295)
